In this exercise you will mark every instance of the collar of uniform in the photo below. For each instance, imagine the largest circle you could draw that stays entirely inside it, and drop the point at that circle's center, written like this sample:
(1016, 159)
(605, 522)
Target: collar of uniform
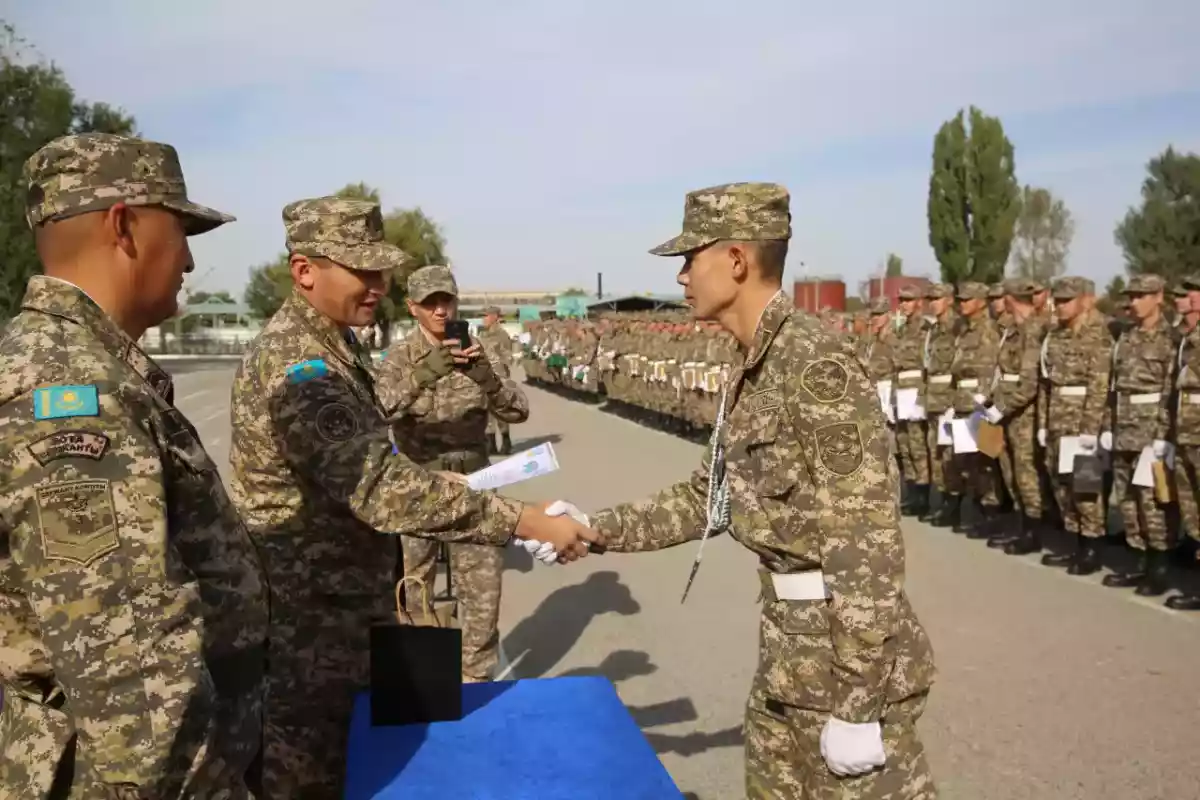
(418, 343)
(328, 332)
(773, 316)
(64, 299)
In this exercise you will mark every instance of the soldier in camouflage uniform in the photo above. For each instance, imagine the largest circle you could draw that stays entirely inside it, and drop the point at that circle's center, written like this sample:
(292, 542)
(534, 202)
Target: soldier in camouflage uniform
(1186, 421)
(940, 351)
(878, 355)
(974, 371)
(809, 485)
(1014, 399)
(1076, 361)
(439, 415)
(996, 306)
(498, 346)
(908, 353)
(1143, 371)
(317, 476)
(134, 614)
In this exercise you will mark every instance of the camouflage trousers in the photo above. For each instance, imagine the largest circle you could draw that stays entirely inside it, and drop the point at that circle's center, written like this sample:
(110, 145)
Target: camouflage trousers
(1082, 514)
(784, 761)
(945, 471)
(318, 659)
(476, 574)
(1187, 485)
(1145, 520)
(977, 476)
(913, 450)
(1022, 475)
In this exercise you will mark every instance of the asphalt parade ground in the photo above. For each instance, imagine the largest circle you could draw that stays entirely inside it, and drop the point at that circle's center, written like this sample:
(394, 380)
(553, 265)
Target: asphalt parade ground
(1048, 686)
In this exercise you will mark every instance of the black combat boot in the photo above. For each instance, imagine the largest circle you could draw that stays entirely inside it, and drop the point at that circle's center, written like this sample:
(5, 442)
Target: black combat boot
(947, 513)
(1184, 602)
(1087, 558)
(506, 448)
(1155, 582)
(906, 498)
(1133, 577)
(920, 508)
(986, 524)
(1009, 530)
(1029, 540)
(959, 524)
(1063, 559)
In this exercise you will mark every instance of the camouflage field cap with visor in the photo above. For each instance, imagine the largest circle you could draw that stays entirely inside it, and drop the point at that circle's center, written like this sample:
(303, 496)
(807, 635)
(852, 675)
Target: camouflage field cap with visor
(936, 291)
(1022, 288)
(996, 291)
(972, 290)
(87, 172)
(1145, 284)
(1071, 287)
(428, 281)
(910, 291)
(738, 211)
(881, 305)
(348, 232)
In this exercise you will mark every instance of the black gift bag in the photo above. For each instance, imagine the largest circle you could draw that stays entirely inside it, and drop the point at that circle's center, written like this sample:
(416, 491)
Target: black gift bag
(416, 666)
(1088, 474)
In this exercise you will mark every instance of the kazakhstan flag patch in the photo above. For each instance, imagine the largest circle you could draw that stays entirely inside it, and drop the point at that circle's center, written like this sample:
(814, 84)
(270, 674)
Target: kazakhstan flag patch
(307, 370)
(59, 402)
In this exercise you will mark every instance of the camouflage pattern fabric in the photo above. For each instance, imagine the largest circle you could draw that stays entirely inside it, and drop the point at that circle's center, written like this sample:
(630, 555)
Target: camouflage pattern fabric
(740, 211)
(1187, 430)
(499, 348)
(940, 352)
(1015, 396)
(813, 486)
(316, 477)
(349, 232)
(431, 280)
(974, 370)
(443, 426)
(908, 353)
(134, 610)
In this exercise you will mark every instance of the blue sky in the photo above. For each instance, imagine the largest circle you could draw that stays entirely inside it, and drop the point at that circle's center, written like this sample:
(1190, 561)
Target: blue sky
(553, 139)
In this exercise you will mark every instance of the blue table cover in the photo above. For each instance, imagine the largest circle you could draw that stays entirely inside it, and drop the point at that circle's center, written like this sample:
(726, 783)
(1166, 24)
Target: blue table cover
(545, 739)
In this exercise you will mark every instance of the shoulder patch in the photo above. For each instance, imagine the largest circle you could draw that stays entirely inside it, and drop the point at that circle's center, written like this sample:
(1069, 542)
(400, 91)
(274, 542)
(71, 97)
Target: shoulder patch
(69, 444)
(77, 520)
(336, 423)
(60, 402)
(826, 380)
(840, 447)
(759, 402)
(307, 370)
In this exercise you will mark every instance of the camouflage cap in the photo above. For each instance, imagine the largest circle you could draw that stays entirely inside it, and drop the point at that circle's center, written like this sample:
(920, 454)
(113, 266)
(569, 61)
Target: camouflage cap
(881, 305)
(1038, 285)
(996, 291)
(1071, 287)
(1178, 289)
(972, 290)
(935, 291)
(88, 172)
(910, 292)
(428, 281)
(1191, 282)
(1145, 284)
(349, 232)
(490, 309)
(1022, 288)
(742, 211)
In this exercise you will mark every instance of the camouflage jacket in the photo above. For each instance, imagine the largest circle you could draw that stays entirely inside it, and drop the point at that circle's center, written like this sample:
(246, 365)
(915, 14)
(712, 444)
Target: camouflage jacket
(499, 348)
(908, 353)
(134, 611)
(1187, 389)
(1020, 347)
(812, 485)
(449, 417)
(879, 355)
(974, 368)
(316, 475)
(1143, 373)
(1076, 364)
(941, 348)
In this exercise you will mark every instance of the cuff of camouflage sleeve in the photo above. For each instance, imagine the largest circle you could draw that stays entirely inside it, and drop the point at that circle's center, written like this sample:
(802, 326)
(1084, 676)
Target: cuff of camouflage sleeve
(857, 704)
(500, 516)
(608, 524)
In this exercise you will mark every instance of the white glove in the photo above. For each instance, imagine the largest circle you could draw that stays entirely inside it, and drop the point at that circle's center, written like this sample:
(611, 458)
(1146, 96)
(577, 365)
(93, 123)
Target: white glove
(1042, 437)
(1106, 440)
(1087, 443)
(1160, 449)
(852, 748)
(544, 551)
(993, 415)
(980, 400)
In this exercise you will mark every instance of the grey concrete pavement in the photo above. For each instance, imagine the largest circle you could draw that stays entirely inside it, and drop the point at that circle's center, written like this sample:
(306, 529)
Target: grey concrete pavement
(1048, 687)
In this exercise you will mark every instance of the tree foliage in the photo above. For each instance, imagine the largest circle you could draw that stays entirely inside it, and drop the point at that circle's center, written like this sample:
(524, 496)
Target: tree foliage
(37, 105)
(1162, 236)
(973, 198)
(269, 285)
(894, 267)
(1043, 235)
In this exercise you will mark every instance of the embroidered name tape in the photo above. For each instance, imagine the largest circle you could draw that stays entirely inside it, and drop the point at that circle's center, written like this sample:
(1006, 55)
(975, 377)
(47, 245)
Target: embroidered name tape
(60, 402)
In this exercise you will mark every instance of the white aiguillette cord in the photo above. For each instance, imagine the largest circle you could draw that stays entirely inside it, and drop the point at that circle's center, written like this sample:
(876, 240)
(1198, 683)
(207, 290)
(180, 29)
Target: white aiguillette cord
(717, 498)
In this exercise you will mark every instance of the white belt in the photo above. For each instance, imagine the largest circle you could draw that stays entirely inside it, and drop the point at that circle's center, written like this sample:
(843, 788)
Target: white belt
(1194, 398)
(909, 374)
(1143, 399)
(940, 378)
(1072, 391)
(1008, 377)
(800, 585)
(968, 383)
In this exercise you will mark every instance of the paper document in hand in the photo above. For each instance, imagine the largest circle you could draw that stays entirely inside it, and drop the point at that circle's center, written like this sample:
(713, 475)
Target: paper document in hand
(532, 463)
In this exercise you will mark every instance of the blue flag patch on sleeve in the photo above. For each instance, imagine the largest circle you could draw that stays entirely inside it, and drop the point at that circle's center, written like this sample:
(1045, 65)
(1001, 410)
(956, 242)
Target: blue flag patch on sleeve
(61, 402)
(307, 370)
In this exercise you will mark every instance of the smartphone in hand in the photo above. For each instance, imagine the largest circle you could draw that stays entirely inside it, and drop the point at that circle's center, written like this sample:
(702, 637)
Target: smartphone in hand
(459, 329)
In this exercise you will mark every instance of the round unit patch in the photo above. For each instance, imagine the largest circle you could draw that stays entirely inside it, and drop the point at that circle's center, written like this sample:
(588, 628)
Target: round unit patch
(336, 423)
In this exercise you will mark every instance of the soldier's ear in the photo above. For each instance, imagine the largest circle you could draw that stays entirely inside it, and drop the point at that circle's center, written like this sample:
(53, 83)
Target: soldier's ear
(739, 261)
(304, 271)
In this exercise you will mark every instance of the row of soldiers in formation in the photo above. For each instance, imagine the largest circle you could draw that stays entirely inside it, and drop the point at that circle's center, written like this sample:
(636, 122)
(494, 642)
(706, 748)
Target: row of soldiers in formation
(1077, 394)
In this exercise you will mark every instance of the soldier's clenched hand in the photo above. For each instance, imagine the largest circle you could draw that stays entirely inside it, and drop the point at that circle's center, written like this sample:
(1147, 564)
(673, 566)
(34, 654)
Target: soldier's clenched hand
(568, 537)
(433, 365)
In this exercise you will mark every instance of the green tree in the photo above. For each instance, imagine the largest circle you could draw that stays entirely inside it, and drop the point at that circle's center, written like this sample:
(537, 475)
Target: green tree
(269, 285)
(36, 105)
(1162, 236)
(894, 267)
(1043, 235)
(973, 198)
